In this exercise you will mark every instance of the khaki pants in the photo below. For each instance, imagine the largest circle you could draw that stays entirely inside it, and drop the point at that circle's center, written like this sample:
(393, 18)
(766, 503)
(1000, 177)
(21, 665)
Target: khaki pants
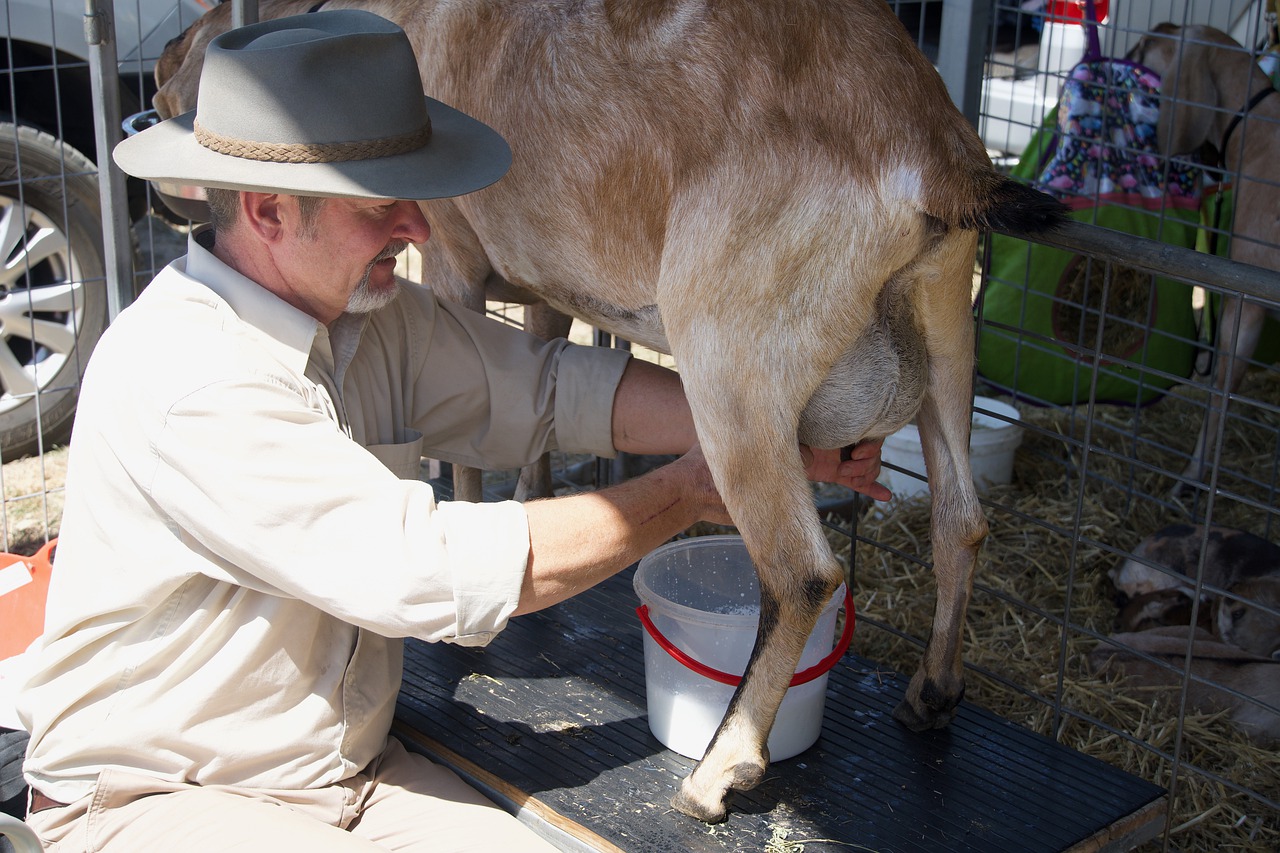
(402, 801)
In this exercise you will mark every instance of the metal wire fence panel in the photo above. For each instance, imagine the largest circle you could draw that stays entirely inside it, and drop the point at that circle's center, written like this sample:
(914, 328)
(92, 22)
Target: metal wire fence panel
(1124, 528)
(58, 260)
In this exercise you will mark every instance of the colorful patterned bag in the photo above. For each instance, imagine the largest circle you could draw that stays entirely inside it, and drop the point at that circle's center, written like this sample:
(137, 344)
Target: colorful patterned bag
(1043, 309)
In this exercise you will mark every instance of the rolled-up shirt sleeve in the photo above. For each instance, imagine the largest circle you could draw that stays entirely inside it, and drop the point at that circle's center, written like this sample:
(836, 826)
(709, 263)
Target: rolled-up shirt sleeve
(480, 392)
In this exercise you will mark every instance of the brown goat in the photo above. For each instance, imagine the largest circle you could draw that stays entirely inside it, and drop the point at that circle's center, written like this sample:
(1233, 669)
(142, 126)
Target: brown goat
(1209, 83)
(779, 193)
(1170, 559)
(1239, 585)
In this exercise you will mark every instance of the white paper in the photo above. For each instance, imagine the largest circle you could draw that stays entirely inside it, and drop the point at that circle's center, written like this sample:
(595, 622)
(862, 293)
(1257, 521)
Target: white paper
(14, 576)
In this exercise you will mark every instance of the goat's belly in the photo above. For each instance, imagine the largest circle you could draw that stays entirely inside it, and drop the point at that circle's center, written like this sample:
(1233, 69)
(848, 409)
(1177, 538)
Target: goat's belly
(640, 325)
(874, 389)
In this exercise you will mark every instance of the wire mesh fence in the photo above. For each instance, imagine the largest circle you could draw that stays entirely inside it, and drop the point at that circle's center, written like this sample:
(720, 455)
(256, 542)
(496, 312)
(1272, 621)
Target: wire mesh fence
(1128, 600)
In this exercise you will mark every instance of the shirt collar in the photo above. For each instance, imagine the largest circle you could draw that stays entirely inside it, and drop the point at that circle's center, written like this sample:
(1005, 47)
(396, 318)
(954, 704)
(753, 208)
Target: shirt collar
(289, 333)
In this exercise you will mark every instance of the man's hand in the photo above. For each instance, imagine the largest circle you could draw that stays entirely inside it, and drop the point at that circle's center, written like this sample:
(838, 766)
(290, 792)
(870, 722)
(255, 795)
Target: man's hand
(859, 472)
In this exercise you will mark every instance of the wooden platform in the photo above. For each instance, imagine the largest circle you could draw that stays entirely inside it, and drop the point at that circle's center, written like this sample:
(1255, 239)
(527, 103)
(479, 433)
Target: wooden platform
(550, 720)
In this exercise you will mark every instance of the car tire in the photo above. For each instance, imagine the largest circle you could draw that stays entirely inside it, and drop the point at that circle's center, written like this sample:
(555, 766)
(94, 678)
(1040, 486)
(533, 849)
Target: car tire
(53, 291)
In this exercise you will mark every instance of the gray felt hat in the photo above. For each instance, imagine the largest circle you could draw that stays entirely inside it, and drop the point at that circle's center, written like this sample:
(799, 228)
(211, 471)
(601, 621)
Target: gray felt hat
(325, 104)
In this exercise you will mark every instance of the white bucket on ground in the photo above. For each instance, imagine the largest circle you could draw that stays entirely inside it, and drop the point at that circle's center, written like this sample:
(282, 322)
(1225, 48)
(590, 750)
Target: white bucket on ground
(991, 448)
(703, 598)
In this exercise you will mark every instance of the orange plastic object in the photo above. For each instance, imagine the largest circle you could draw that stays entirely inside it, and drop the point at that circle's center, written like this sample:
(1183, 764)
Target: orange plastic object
(22, 609)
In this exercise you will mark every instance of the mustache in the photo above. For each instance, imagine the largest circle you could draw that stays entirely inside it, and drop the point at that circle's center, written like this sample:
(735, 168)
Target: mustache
(391, 251)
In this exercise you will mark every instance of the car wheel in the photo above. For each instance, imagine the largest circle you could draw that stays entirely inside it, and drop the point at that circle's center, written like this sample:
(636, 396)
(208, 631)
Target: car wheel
(53, 292)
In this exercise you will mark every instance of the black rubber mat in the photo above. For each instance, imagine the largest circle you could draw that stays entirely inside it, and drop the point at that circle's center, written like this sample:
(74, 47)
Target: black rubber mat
(555, 709)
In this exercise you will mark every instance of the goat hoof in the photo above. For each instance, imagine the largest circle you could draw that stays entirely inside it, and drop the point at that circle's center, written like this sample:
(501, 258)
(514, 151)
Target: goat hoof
(707, 812)
(920, 719)
(746, 775)
(707, 803)
(929, 706)
(914, 720)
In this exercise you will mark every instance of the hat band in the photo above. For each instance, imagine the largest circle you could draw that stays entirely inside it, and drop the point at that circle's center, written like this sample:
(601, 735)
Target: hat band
(307, 152)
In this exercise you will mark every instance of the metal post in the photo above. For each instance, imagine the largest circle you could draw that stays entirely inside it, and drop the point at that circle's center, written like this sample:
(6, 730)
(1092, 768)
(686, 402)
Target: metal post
(244, 12)
(104, 77)
(962, 52)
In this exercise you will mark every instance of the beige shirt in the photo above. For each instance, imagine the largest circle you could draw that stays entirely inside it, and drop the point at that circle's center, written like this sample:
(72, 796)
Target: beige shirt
(245, 537)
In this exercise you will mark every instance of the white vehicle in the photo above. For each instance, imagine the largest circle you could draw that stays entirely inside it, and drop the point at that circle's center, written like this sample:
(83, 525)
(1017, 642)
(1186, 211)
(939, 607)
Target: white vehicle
(53, 298)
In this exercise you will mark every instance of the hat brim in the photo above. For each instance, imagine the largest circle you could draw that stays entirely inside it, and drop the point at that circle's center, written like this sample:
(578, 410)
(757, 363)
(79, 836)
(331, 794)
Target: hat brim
(463, 155)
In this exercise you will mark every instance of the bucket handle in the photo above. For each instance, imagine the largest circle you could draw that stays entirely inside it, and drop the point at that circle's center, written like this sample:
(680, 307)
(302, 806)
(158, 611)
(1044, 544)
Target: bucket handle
(803, 677)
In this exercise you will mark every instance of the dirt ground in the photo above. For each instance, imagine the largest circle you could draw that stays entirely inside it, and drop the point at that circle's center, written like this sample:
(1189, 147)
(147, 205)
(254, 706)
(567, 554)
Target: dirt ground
(33, 489)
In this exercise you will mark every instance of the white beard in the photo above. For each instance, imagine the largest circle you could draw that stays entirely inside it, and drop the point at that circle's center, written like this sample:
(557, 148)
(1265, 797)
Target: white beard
(364, 301)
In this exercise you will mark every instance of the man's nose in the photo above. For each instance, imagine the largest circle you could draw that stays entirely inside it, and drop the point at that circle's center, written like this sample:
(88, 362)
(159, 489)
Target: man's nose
(412, 225)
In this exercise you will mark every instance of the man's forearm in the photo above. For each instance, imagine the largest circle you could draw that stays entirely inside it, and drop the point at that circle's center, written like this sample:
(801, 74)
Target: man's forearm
(579, 540)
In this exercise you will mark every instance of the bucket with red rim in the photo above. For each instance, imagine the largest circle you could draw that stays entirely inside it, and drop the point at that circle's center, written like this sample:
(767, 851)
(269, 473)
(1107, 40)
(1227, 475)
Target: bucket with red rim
(700, 607)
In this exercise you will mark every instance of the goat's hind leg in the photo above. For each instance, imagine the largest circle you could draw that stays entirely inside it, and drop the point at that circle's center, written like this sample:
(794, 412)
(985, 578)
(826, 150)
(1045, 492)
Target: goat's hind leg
(1238, 334)
(958, 525)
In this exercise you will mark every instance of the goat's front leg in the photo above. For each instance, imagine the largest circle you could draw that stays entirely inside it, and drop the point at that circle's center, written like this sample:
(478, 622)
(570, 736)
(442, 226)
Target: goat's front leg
(1238, 333)
(747, 428)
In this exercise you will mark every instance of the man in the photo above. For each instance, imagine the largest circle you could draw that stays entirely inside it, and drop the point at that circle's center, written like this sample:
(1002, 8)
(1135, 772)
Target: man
(246, 540)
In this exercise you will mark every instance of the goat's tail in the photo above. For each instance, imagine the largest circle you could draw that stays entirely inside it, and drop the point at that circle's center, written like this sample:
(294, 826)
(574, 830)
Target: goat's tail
(1003, 203)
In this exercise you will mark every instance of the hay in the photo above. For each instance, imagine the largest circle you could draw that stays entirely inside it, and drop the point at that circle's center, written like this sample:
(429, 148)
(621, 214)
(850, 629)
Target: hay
(33, 497)
(1129, 298)
(1032, 577)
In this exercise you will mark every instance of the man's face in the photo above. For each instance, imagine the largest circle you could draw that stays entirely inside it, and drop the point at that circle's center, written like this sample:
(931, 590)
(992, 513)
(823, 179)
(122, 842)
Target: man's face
(345, 258)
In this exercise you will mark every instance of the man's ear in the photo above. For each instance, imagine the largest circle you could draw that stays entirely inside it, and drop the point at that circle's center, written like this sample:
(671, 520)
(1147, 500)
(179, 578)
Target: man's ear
(262, 213)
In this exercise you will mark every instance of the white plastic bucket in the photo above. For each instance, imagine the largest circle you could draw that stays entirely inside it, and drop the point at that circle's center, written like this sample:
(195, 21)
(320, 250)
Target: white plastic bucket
(991, 449)
(701, 603)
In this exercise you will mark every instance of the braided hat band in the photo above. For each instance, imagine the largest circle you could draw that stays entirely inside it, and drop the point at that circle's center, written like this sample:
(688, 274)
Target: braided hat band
(313, 152)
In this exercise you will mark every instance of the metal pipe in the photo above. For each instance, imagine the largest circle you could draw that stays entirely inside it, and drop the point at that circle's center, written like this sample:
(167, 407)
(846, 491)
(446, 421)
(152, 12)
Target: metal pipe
(104, 76)
(962, 52)
(1176, 262)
